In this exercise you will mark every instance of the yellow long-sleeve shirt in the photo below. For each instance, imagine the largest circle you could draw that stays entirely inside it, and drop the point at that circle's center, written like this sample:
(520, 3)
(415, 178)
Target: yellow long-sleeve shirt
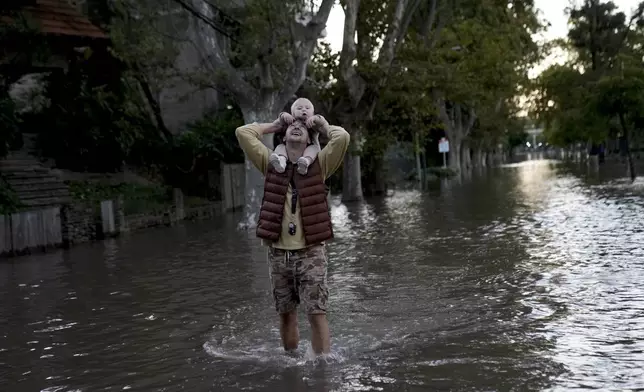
(330, 158)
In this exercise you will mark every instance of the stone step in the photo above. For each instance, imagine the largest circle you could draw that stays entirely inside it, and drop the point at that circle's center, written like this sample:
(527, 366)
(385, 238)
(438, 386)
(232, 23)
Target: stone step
(38, 184)
(43, 176)
(20, 164)
(20, 156)
(36, 192)
(24, 172)
(45, 202)
(35, 185)
(42, 197)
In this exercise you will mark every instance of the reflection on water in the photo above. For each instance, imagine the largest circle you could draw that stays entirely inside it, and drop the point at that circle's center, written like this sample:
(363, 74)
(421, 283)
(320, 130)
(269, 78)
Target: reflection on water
(526, 277)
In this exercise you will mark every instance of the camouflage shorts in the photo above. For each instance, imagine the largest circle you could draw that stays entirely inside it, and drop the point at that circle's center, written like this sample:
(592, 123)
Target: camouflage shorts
(299, 276)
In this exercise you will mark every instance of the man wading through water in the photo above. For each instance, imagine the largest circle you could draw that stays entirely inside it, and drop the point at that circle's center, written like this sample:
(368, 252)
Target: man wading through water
(295, 221)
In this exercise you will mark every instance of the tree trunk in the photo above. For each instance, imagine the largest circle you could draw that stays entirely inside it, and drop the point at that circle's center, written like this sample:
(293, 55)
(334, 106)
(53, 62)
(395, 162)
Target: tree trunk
(153, 106)
(629, 157)
(254, 180)
(380, 180)
(466, 156)
(458, 122)
(362, 95)
(376, 178)
(419, 168)
(352, 173)
(479, 157)
(454, 155)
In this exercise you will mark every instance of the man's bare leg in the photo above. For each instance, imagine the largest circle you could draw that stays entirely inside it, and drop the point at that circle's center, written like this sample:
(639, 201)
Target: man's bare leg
(320, 335)
(289, 331)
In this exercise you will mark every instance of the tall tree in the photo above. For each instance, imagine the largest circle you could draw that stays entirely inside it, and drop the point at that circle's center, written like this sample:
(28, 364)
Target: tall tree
(479, 67)
(148, 52)
(373, 33)
(597, 33)
(258, 52)
(599, 91)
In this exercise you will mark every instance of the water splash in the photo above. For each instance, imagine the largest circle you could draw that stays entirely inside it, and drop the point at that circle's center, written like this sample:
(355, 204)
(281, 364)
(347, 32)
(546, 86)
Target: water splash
(275, 355)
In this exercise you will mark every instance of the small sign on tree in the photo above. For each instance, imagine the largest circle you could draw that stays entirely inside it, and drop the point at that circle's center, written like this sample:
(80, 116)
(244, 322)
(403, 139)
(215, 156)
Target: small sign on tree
(443, 147)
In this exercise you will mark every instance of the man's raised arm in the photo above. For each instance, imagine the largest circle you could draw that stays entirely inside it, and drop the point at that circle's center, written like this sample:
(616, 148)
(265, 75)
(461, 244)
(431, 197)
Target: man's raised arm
(332, 154)
(250, 141)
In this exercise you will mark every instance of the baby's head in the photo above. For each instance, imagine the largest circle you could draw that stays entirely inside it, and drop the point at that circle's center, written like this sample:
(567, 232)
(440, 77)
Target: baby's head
(302, 109)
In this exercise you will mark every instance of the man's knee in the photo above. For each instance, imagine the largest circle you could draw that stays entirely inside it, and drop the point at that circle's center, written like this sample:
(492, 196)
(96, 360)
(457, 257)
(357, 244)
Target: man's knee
(317, 320)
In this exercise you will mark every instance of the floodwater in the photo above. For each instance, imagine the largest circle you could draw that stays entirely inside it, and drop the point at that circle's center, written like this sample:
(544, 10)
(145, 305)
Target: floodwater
(528, 277)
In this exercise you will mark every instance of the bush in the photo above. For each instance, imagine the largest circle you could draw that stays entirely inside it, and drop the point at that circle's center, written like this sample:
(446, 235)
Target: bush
(137, 198)
(9, 202)
(10, 137)
(201, 150)
(441, 172)
(213, 137)
(89, 128)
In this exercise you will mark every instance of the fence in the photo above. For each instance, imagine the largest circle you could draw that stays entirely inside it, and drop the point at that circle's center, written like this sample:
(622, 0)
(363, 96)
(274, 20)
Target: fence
(72, 224)
(30, 230)
(232, 186)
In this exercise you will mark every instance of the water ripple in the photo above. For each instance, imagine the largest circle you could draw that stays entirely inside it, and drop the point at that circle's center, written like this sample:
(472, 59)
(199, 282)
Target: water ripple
(526, 277)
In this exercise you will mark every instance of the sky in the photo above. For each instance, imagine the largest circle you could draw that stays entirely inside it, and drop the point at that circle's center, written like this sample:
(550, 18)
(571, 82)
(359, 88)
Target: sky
(550, 10)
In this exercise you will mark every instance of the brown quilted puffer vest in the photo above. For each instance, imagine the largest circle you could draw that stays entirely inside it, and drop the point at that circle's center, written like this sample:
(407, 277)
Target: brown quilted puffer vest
(312, 194)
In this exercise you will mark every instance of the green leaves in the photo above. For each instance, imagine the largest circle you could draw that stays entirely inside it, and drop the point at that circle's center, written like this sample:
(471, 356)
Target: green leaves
(213, 137)
(475, 53)
(9, 201)
(603, 87)
(144, 40)
(9, 124)
(482, 61)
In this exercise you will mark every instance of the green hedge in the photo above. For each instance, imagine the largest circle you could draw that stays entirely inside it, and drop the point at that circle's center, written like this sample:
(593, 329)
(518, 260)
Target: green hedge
(9, 202)
(137, 198)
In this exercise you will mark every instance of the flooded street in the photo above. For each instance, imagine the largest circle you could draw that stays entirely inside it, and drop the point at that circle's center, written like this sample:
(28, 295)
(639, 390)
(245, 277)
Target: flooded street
(528, 277)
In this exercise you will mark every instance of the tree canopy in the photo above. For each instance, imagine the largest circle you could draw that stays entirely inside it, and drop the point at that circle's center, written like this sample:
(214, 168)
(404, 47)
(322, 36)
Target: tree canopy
(597, 94)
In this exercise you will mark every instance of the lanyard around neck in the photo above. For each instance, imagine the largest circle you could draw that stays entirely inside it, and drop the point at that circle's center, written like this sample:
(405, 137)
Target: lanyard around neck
(293, 196)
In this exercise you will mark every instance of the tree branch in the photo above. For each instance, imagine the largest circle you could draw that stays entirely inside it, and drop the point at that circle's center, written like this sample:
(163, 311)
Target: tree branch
(409, 15)
(442, 110)
(322, 16)
(387, 51)
(429, 22)
(442, 16)
(363, 31)
(355, 84)
(470, 122)
(232, 80)
(303, 53)
(265, 67)
(154, 104)
(187, 7)
(637, 14)
(395, 36)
